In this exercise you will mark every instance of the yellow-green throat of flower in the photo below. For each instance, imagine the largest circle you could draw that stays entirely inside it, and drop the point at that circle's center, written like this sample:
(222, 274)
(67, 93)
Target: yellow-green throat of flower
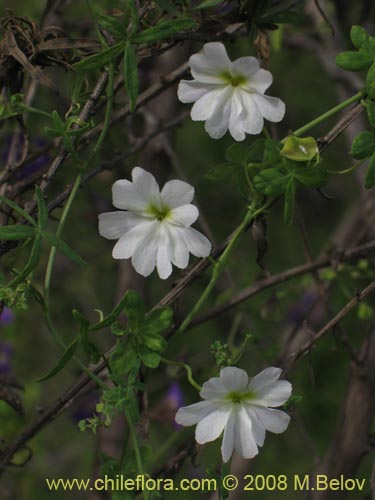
(240, 397)
(159, 213)
(234, 80)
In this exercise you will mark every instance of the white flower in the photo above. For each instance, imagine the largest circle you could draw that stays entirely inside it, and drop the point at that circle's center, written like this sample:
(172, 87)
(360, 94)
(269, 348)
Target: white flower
(243, 410)
(155, 229)
(229, 94)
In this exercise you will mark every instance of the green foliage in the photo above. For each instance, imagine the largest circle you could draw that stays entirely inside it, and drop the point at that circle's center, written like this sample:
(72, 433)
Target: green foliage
(141, 340)
(361, 59)
(300, 148)
(131, 74)
(363, 147)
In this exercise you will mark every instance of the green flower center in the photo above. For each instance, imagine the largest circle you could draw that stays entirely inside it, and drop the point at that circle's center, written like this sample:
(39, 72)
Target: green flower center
(159, 213)
(234, 80)
(240, 397)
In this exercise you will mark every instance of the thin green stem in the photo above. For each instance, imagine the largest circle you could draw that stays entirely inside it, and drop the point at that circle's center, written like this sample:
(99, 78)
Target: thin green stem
(137, 451)
(188, 369)
(349, 169)
(329, 113)
(47, 282)
(218, 268)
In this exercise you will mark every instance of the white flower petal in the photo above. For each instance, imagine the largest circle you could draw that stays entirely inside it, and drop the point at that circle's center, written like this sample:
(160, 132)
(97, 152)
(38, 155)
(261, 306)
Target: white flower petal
(146, 185)
(259, 81)
(207, 105)
(217, 54)
(126, 197)
(192, 90)
(164, 252)
(273, 420)
(237, 115)
(253, 121)
(246, 66)
(274, 394)
(214, 389)
(144, 255)
(192, 414)
(272, 108)
(204, 70)
(244, 442)
(258, 429)
(208, 67)
(176, 193)
(234, 379)
(179, 250)
(211, 426)
(184, 215)
(113, 225)
(264, 378)
(196, 242)
(218, 123)
(227, 445)
(127, 244)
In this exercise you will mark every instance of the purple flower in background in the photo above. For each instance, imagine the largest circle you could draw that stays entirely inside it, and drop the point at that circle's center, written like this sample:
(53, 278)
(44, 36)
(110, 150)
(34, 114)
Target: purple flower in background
(298, 312)
(85, 407)
(6, 354)
(174, 397)
(166, 410)
(6, 316)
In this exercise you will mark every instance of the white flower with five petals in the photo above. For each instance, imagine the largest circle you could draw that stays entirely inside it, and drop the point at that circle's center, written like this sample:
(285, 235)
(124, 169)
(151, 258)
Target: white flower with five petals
(229, 95)
(153, 226)
(243, 409)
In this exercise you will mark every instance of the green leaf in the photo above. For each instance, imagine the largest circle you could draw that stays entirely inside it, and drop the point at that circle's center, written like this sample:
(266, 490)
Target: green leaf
(354, 60)
(57, 122)
(271, 182)
(128, 301)
(16, 232)
(63, 361)
(149, 358)
(370, 81)
(290, 194)
(370, 174)
(163, 30)
(42, 208)
(31, 263)
(223, 171)
(118, 329)
(359, 36)
(80, 318)
(155, 342)
(207, 3)
(281, 17)
(64, 248)
(300, 148)
(113, 25)
(131, 75)
(134, 309)
(240, 154)
(133, 10)
(124, 358)
(272, 150)
(363, 145)
(371, 113)
(157, 321)
(18, 209)
(365, 311)
(168, 7)
(313, 176)
(101, 59)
